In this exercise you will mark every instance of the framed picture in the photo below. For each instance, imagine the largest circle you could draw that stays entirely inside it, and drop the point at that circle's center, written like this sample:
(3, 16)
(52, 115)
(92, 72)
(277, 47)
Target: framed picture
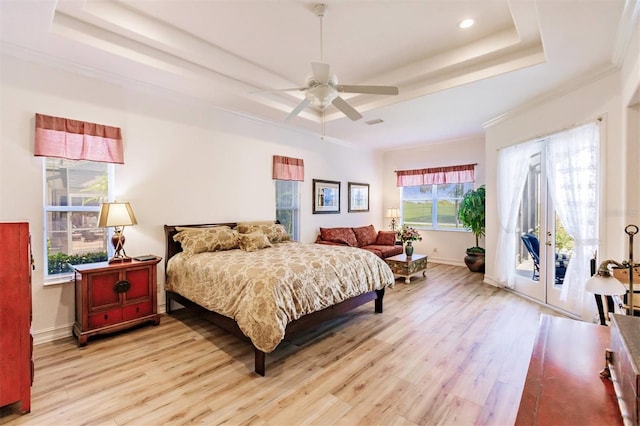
(358, 197)
(326, 196)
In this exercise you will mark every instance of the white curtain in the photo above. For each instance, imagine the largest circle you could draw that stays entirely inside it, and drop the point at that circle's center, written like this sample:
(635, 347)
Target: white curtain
(572, 173)
(512, 173)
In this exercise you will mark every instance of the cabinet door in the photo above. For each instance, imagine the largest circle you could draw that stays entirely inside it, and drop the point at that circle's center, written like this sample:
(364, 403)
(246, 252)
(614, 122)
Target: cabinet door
(140, 281)
(15, 315)
(101, 293)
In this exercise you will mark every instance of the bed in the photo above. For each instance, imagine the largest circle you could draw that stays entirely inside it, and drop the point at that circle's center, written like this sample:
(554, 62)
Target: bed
(271, 292)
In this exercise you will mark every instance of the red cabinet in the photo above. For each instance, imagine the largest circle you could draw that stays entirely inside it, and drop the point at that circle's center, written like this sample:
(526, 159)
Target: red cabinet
(16, 342)
(112, 297)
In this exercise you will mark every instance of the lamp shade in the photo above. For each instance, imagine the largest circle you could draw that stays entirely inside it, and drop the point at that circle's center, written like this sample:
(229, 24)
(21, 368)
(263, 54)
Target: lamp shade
(605, 285)
(116, 214)
(393, 212)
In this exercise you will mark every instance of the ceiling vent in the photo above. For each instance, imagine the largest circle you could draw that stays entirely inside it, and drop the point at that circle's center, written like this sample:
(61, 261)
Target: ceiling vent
(376, 121)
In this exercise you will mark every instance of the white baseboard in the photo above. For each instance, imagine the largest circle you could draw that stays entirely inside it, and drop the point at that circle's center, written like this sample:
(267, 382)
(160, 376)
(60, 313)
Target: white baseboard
(453, 262)
(64, 331)
(51, 334)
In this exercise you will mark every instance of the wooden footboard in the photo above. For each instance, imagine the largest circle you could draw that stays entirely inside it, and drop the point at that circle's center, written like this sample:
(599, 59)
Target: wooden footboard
(306, 322)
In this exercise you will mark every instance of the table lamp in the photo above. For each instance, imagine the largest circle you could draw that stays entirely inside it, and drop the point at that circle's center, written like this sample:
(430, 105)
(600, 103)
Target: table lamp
(393, 213)
(118, 215)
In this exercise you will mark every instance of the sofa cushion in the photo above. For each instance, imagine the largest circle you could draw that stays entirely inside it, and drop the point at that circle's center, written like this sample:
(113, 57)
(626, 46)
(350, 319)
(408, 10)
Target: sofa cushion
(385, 250)
(365, 235)
(339, 235)
(385, 238)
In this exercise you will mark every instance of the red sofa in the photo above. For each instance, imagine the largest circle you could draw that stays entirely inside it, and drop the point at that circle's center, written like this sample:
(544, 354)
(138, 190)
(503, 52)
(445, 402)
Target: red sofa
(381, 243)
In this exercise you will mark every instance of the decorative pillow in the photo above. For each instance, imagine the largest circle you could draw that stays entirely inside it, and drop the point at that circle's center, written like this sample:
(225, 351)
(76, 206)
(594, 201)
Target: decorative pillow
(199, 240)
(254, 241)
(386, 238)
(274, 231)
(366, 235)
(339, 235)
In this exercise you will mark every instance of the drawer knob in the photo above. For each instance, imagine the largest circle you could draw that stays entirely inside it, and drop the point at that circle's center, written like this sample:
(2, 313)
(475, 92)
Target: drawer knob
(122, 286)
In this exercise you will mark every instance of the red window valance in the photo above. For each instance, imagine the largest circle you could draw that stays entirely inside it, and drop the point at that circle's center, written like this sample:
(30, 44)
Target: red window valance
(288, 168)
(436, 175)
(77, 140)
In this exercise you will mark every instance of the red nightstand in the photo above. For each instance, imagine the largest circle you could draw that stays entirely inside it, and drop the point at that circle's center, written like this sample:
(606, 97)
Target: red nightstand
(113, 297)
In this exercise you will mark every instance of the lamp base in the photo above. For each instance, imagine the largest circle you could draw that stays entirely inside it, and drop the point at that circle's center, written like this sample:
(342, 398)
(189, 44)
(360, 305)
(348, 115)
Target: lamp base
(118, 244)
(119, 259)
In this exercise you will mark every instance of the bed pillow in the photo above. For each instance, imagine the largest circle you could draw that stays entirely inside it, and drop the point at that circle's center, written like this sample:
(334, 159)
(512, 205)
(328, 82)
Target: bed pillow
(254, 241)
(386, 238)
(366, 235)
(339, 235)
(276, 232)
(200, 240)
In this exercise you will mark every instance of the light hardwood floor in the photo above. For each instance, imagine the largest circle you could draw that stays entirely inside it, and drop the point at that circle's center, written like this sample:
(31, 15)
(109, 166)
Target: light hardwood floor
(447, 350)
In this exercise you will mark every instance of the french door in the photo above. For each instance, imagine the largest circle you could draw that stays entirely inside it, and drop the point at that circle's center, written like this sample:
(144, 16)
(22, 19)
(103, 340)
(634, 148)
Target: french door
(543, 247)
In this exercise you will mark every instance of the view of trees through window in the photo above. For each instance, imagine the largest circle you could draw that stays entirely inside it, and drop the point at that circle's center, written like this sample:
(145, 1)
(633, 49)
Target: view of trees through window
(433, 206)
(288, 205)
(74, 191)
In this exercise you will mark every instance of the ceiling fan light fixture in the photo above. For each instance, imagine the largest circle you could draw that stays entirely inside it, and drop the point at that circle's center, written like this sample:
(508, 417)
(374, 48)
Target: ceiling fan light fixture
(321, 95)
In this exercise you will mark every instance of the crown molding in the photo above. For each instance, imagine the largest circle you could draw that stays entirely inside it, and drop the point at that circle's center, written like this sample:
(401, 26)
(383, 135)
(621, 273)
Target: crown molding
(563, 89)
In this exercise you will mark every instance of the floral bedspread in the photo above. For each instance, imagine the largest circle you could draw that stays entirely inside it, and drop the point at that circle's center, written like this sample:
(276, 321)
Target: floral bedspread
(266, 289)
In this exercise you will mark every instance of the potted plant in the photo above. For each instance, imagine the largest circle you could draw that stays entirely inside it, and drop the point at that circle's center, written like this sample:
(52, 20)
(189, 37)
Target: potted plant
(472, 214)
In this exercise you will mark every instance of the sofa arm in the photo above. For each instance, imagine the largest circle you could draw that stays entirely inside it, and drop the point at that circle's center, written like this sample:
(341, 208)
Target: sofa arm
(386, 238)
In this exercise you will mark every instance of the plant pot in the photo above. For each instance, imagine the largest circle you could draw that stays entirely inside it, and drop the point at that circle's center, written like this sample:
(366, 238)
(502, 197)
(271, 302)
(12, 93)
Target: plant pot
(409, 249)
(474, 261)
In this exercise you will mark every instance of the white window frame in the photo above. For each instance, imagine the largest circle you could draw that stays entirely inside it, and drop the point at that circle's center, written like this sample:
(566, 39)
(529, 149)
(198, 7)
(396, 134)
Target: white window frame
(434, 198)
(67, 277)
(294, 208)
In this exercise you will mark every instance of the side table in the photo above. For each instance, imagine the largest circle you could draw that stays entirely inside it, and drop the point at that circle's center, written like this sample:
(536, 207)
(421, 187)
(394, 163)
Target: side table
(404, 266)
(113, 297)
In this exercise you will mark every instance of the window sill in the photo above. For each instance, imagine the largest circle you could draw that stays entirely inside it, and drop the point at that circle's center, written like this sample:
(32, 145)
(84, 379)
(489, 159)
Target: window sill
(64, 279)
(443, 229)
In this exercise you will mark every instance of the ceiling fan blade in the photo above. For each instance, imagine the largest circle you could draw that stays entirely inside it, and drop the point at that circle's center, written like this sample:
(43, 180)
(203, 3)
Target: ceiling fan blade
(320, 72)
(374, 90)
(346, 109)
(297, 109)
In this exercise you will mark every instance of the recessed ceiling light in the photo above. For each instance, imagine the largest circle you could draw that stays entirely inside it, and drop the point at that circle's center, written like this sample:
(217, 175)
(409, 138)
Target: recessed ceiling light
(466, 23)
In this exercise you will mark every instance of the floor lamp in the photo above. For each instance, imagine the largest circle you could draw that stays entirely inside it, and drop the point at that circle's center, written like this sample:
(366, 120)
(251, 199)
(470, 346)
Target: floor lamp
(603, 283)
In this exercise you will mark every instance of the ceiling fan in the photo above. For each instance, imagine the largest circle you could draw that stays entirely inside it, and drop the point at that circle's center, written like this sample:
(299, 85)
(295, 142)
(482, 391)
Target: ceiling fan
(322, 88)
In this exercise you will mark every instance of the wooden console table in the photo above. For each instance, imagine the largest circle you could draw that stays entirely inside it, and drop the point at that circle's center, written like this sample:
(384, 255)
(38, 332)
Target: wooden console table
(563, 385)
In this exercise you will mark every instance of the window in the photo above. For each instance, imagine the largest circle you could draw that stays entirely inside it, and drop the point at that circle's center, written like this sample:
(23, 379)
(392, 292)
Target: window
(433, 206)
(288, 205)
(73, 192)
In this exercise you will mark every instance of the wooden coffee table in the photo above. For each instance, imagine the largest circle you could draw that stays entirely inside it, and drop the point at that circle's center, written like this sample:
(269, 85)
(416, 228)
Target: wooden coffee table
(404, 266)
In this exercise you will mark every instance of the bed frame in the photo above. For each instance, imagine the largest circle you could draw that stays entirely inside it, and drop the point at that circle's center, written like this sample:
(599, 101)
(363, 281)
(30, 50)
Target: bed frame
(306, 322)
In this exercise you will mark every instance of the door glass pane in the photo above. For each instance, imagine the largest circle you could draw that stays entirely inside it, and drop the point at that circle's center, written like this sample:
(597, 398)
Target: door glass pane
(528, 225)
(564, 249)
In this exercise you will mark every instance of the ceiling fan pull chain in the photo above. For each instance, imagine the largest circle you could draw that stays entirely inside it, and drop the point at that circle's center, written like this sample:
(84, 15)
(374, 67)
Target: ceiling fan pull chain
(321, 38)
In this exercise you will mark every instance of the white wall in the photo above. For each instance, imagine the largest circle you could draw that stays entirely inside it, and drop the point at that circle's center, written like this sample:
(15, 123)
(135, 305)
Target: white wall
(441, 246)
(631, 124)
(184, 163)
